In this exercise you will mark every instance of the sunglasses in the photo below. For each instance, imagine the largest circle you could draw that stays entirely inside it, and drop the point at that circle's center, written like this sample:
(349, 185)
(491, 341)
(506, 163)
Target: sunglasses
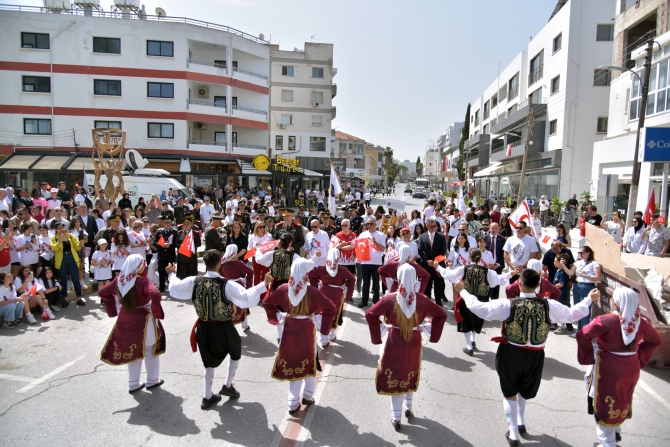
(261, 228)
(315, 226)
(581, 252)
(370, 223)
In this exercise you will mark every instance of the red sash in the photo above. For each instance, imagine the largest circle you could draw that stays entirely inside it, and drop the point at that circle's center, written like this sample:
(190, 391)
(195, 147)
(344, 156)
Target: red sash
(457, 310)
(506, 342)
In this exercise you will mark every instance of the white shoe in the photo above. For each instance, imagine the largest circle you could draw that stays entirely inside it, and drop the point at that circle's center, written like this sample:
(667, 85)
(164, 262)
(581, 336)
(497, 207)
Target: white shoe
(50, 314)
(31, 319)
(332, 336)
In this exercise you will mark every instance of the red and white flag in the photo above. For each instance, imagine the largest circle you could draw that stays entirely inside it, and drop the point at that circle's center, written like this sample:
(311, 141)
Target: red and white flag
(509, 150)
(521, 214)
(651, 208)
(188, 246)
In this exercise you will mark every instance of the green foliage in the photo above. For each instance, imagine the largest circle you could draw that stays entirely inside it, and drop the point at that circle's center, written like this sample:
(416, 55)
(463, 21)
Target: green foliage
(557, 205)
(461, 144)
(459, 169)
(419, 167)
(582, 197)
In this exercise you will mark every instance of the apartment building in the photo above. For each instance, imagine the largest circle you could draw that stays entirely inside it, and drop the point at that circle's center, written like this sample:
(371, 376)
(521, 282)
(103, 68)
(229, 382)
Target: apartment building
(411, 167)
(179, 88)
(374, 165)
(351, 148)
(557, 76)
(432, 163)
(613, 155)
(450, 149)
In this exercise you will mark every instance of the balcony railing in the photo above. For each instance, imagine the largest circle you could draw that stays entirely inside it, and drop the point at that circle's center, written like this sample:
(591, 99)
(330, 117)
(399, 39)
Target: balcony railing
(244, 109)
(473, 155)
(513, 93)
(532, 100)
(248, 146)
(535, 75)
(206, 103)
(207, 63)
(239, 70)
(208, 143)
(486, 114)
(502, 147)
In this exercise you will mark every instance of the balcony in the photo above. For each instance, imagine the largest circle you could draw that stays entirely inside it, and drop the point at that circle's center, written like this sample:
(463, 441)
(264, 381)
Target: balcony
(518, 142)
(248, 149)
(477, 150)
(206, 146)
(535, 75)
(333, 112)
(519, 113)
(513, 93)
(206, 67)
(250, 76)
(250, 114)
(206, 107)
(333, 89)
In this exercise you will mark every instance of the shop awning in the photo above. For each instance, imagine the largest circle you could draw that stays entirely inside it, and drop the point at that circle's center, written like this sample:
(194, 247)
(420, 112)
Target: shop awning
(309, 173)
(247, 169)
(51, 162)
(80, 163)
(487, 171)
(19, 161)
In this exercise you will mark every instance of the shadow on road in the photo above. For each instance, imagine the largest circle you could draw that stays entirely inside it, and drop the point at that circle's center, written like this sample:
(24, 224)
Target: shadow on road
(425, 432)
(455, 363)
(243, 423)
(350, 353)
(332, 428)
(544, 440)
(256, 346)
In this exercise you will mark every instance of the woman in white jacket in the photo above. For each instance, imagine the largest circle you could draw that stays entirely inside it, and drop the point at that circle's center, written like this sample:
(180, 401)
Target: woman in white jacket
(632, 240)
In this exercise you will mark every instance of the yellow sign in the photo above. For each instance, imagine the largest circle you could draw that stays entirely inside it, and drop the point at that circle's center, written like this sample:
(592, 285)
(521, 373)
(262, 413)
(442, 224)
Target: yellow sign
(286, 165)
(260, 162)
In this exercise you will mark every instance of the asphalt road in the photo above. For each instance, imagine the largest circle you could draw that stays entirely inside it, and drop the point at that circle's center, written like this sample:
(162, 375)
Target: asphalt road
(55, 390)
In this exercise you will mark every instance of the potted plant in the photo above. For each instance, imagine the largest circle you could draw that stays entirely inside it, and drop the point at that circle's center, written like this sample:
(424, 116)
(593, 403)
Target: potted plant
(556, 205)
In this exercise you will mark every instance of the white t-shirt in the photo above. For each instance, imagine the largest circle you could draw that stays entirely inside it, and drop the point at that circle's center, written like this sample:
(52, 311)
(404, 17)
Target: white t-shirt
(614, 229)
(320, 241)
(487, 259)
(28, 256)
(134, 238)
(544, 205)
(54, 282)
(53, 203)
(119, 257)
(413, 248)
(459, 257)
(520, 250)
(45, 245)
(7, 294)
(375, 254)
(587, 269)
(454, 223)
(366, 196)
(428, 212)
(206, 212)
(537, 226)
(102, 272)
(358, 195)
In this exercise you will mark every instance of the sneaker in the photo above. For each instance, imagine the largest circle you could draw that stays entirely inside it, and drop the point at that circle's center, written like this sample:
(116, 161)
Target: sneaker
(31, 319)
(17, 322)
(206, 403)
(8, 325)
(229, 391)
(50, 314)
(560, 331)
(54, 308)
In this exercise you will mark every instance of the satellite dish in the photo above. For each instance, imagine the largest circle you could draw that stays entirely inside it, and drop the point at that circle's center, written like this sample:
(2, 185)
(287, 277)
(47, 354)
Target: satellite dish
(160, 12)
(261, 36)
(135, 160)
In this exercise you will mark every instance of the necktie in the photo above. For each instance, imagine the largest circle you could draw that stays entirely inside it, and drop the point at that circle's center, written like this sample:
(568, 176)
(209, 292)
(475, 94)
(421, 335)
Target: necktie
(493, 247)
(431, 239)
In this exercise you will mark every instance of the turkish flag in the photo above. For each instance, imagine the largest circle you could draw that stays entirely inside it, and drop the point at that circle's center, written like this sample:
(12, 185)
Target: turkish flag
(651, 208)
(269, 245)
(33, 290)
(440, 258)
(362, 250)
(162, 242)
(545, 239)
(186, 246)
(249, 253)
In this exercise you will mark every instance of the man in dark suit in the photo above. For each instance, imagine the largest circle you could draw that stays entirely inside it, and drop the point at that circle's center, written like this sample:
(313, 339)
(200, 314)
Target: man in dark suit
(166, 251)
(495, 243)
(432, 244)
(88, 223)
(213, 237)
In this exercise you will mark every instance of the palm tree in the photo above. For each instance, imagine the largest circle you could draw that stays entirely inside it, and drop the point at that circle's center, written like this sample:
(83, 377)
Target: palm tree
(388, 161)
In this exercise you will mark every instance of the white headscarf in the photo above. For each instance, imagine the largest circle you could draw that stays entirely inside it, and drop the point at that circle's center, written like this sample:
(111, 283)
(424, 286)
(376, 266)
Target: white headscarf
(406, 295)
(404, 254)
(298, 281)
(128, 273)
(332, 261)
(231, 252)
(536, 265)
(629, 312)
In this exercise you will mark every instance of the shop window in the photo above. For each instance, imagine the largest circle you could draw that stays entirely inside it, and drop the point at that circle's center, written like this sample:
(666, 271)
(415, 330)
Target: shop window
(279, 142)
(291, 143)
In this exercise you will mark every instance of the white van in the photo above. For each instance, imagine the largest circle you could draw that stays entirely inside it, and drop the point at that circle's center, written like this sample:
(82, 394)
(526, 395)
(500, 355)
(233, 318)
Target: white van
(144, 183)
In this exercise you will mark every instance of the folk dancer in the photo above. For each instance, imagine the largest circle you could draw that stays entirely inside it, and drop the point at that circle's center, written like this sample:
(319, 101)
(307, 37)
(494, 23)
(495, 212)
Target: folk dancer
(296, 358)
(259, 237)
(187, 259)
(335, 283)
(400, 362)
(138, 333)
(389, 272)
(525, 329)
(214, 333)
(233, 269)
(616, 346)
(545, 290)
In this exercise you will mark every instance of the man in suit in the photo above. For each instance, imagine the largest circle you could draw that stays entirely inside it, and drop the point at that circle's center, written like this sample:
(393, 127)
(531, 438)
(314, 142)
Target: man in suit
(88, 223)
(495, 244)
(187, 265)
(432, 244)
(166, 251)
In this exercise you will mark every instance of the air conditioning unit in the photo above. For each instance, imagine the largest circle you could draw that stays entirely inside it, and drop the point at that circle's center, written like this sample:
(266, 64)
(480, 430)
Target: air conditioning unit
(282, 126)
(201, 126)
(203, 92)
(315, 104)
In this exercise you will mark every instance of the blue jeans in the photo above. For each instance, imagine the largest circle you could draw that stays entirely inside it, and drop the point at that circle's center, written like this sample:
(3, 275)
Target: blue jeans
(69, 267)
(580, 290)
(11, 311)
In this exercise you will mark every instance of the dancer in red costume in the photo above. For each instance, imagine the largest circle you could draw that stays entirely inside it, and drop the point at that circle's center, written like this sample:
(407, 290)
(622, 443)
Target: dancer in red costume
(617, 345)
(389, 272)
(400, 364)
(138, 333)
(235, 270)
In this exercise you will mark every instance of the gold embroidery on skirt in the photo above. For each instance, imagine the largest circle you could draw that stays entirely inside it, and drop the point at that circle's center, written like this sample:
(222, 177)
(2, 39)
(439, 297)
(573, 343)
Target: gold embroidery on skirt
(614, 414)
(302, 369)
(404, 384)
(391, 383)
(117, 352)
(286, 371)
(129, 355)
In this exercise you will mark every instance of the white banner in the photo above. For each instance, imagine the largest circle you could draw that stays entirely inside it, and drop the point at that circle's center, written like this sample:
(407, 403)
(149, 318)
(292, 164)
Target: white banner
(397, 205)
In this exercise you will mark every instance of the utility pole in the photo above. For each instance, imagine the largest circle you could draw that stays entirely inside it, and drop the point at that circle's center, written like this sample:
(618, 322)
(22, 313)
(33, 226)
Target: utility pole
(529, 129)
(635, 181)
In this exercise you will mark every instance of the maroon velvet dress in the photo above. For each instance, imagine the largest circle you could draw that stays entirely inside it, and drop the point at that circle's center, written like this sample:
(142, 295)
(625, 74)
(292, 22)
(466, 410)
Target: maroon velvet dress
(332, 287)
(400, 366)
(239, 272)
(615, 375)
(126, 342)
(296, 357)
(547, 290)
(390, 270)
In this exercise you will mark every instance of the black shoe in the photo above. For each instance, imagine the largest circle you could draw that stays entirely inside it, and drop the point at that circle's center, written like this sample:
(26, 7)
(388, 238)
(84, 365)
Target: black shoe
(81, 302)
(618, 437)
(307, 402)
(396, 425)
(474, 345)
(229, 391)
(206, 403)
(136, 389)
(159, 383)
(292, 412)
(90, 275)
(569, 328)
(469, 352)
(65, 303)
(362, 305)
(408, 414)
(522, 429)
(246, 328)
(510, 442)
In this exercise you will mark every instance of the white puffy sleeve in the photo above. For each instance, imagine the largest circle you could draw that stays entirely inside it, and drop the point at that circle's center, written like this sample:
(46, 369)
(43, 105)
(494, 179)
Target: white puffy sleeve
(264, 259)
(496, 310)
(181, 289)
(242, 297)
(453, 276)
(559, 313)
(496, 280)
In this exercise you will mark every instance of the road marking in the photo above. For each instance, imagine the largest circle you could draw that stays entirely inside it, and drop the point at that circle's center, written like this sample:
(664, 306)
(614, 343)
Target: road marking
(654, 394)
(46, 377)
(295, 429)
(16, 378)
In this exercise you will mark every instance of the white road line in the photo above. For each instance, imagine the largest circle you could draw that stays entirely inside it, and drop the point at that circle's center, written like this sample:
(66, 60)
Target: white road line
(16, 378)
(654, 394)
(46, 377)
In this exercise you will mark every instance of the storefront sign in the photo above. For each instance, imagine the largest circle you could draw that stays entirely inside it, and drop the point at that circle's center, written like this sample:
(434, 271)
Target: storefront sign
(657, 144)
(397, 205)
(337, 163)
(213, 168)
(279, 164)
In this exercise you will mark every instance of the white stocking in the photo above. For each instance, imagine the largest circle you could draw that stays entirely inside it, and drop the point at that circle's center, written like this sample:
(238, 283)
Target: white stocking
(294, 395)
(521, 410)
(153, 365)
(134, 371)
(209, 378)
(396, 406)
(407, 401)
(232, 367)
(310, 385)
(473, 336)
(468, 340)
(510, 407)
(606, 435)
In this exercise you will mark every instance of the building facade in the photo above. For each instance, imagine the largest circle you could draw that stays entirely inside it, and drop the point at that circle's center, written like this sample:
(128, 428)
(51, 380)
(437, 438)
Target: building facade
(194, 91)
(374, 165)
(432, 164)
(351, 149)
(450, 152)
(411, 167)
(557, 76)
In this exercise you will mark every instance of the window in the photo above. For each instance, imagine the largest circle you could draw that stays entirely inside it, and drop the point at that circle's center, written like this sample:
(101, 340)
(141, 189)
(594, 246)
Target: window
(536, 68)
(605, 33)
(287, 70)
(287, 119)
(358, 162)
(220, 101)
(106, 45)
(317, 120)
(36, 84)
(234, 138)
(601, 78)
(317, 97)
(555, 84)
(553, 127)
(106, 87)
(219, 138)
(291, 143)
(219, 63)
(234, 65)
(494, 100)
(558, 41)
(602, 125)
(33, 126)
(35, 40)
(158, 48)
(287, 95)
(279, 143)
(317, 144)
(160, 130)
(107, 124)
(234, 99)
(477, 118)
(160, 90)
(343, 148)
(317, 72)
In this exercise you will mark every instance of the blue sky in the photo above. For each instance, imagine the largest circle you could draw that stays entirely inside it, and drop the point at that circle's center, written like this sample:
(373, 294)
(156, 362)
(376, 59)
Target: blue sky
(406, 70)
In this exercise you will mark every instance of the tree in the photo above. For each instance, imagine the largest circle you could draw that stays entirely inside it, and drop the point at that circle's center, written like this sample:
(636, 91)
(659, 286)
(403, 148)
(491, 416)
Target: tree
(388, 161)
(419, 166)
(461, 145)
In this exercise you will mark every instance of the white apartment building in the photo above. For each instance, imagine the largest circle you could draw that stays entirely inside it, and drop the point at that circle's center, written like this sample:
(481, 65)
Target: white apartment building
(179, 88)
(557, 76)
(351, 148)
(432, 164)
(411, 167)
(301, 104)
(613, 156)
(450, 150)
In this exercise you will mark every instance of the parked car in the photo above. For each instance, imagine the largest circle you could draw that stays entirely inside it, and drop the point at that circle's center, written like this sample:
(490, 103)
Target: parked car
(419, 192)
(408, 189)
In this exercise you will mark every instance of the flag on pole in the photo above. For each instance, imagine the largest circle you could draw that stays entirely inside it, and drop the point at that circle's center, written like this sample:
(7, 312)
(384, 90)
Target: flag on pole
(509, 150)
(335, 188)
(521, 214)
(84, 183)
(651, 208)
(461, 201)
